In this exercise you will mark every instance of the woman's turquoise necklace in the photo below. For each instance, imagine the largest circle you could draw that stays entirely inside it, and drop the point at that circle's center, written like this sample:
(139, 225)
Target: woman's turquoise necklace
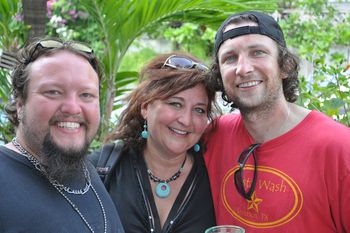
(163, 189)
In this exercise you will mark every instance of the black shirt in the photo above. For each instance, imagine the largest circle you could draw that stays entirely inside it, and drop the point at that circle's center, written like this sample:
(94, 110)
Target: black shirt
(131, 192)
(30, 203)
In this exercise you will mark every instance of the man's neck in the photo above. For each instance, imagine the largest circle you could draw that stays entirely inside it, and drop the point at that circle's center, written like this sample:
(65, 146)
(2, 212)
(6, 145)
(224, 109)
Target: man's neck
(271, 123)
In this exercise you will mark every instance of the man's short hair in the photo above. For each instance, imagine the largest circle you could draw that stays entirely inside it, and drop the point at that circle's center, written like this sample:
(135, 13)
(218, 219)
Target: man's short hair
(30, 53)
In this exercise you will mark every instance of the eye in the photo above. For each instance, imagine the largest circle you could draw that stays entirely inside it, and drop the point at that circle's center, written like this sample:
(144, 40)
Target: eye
(259, 53)
(230, 59)
(52, 93)
(86, 96)
(175, 104)
(200, 110)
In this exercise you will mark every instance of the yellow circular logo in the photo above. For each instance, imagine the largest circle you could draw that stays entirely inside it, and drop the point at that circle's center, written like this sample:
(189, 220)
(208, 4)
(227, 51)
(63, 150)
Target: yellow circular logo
(273, 190)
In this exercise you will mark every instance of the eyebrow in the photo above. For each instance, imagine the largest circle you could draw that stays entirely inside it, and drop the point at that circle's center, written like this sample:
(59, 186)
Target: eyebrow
(254, 46)
(182, 99)
(231, 50)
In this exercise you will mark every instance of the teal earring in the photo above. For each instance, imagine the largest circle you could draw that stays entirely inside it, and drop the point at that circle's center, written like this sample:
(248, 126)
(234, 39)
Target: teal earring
(144, 133)
(196, 147)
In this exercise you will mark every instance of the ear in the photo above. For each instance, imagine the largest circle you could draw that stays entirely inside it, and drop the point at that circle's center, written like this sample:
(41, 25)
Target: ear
(19, 107)
(144, 109)
(283, 75)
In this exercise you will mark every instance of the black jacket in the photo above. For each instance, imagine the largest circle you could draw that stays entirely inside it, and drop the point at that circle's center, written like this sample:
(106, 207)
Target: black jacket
(130, 189)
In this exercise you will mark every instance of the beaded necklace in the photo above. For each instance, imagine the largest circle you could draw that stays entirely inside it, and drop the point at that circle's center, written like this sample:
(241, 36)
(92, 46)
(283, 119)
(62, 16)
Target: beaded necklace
(60, 187)
(163, 189)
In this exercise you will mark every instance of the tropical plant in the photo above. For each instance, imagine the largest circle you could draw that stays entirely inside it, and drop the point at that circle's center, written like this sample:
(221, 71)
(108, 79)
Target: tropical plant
(121, 22)
(112, 26)
(12, 35)
(12, 30)
(193, 38)
(117, 24)
(315, 29)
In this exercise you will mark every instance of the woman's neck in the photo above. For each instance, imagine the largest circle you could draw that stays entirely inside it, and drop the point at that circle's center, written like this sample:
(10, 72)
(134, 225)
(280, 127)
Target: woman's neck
(161, 163)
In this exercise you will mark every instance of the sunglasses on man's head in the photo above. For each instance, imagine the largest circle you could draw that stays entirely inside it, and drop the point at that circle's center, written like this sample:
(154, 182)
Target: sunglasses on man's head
(239, 174)
(51, 44)
(179, 62)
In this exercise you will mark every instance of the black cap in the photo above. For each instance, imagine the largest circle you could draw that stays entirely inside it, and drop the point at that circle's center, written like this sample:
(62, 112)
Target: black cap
(266, 26)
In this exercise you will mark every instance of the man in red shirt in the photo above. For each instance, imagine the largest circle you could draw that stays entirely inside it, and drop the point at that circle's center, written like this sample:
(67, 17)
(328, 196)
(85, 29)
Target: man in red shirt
(275, 166)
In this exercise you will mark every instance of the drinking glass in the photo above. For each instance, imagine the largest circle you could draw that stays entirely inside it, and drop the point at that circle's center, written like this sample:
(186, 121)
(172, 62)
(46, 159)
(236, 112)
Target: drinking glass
(226, 229)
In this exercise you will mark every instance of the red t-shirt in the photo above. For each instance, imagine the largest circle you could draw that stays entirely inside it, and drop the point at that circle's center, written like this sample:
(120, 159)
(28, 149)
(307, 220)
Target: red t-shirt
(303, 178)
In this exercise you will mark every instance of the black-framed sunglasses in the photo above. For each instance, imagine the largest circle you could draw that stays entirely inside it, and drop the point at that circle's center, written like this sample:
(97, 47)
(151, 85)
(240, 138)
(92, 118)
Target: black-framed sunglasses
(239, 174)
(52, 43)
(179, 62)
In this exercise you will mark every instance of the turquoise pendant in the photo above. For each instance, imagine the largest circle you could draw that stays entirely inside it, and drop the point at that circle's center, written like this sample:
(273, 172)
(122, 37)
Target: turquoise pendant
(162, 190)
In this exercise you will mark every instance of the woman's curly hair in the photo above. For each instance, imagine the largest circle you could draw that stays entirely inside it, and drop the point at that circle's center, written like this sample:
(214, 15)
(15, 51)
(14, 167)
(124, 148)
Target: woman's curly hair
(158, 82)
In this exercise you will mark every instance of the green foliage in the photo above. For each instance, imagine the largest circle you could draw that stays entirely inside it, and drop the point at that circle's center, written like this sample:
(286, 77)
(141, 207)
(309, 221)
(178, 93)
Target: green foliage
(12, 35)
(135, 60)
(69, 20)
(112, 26)
(6, 128)
(120, 23)
(315, 29)
(191, 37)
(12, 30)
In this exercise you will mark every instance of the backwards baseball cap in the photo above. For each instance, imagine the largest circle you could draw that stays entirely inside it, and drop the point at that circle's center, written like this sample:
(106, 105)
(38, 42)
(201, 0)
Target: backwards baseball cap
(266, 26)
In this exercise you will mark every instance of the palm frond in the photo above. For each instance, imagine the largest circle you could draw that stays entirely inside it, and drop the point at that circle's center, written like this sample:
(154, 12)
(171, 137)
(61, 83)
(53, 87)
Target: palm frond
(7, 60)
(121, 22)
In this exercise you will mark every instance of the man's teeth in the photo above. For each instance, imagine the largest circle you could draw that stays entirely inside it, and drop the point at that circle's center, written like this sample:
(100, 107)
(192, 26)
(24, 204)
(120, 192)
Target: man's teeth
(69, 125)
(179, 131)
(249, 84)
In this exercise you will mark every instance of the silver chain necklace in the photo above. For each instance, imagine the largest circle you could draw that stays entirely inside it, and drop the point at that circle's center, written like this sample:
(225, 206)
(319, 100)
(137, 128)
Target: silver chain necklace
(60, 187)
(54, 182)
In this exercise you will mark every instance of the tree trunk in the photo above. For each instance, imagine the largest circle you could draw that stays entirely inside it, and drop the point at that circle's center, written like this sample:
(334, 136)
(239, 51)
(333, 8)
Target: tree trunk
(35, 15)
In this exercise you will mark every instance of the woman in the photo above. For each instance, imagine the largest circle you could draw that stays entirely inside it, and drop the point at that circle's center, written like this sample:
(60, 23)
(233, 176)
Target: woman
(160, 183)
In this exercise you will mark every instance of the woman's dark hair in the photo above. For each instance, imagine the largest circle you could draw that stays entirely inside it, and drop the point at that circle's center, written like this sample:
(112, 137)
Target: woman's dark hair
(158, 82)
(21, 73)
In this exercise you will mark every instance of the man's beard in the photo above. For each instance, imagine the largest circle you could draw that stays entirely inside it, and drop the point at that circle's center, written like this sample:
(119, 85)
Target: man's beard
(254, 105)
(63, 165)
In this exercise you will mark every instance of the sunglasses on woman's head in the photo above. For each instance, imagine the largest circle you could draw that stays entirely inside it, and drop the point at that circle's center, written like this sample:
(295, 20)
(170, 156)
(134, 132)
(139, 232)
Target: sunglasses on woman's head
(239, 174)
(179, 62)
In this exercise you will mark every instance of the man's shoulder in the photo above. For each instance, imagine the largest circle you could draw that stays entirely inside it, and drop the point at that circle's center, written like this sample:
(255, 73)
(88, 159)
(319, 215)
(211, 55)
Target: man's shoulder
(327, 132)
(228, 122)
(7, 155)
(229, 119)
(327, 123)
(225, 125)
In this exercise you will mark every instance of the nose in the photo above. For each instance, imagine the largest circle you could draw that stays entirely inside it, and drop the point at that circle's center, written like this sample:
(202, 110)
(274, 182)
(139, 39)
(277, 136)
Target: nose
(186, 117)
(71, 105)
(244, 66)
